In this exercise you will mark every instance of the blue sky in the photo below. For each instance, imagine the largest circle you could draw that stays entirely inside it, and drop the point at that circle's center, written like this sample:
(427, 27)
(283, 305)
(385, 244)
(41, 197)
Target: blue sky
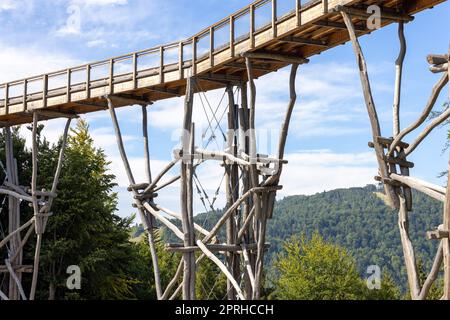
(327, 147)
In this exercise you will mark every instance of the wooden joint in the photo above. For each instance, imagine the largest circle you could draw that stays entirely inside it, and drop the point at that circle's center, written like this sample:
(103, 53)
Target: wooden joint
(137, 187)
(437, 234)
(437, 59)
(438, 62)
(399, 161)
(389, 181)
(146, 196)
(386, 143)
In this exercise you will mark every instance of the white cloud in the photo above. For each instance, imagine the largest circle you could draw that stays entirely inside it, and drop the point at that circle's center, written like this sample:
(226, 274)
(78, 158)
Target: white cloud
(99, 2)
(19, 62)
(6, 5)
(309, 172)
(96, 43)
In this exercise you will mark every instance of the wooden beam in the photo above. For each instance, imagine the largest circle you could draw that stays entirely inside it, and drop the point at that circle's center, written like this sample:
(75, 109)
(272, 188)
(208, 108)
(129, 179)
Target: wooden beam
(242, 66)
(171, 92)
(269, 55)
(17, 269)
(304, 41)
(422, 186)
(131, 99)
(90, 105)
(55, 114)
(178, 247)
(221, 78)
(336, 25)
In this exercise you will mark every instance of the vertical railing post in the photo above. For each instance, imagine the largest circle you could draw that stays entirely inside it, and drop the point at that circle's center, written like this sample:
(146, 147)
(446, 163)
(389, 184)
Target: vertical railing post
(325, 6)
(69, 85)
(252, 26)
(111, 76)
(161, 64)
(44, 91)
(6, 98)
(181, 59)
(274, 19)
(298, 12)
(232, 35)
(211, 46)
(25, 93)
(88, 81)
(135, 68)
(194, 56)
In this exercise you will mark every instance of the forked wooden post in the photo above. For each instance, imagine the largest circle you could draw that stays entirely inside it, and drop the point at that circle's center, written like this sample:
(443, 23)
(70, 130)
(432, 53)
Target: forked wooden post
(394, 167)
(370, 104)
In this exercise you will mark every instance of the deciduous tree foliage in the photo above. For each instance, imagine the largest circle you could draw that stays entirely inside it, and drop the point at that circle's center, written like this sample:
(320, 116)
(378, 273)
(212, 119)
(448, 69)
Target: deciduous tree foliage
(312, 269)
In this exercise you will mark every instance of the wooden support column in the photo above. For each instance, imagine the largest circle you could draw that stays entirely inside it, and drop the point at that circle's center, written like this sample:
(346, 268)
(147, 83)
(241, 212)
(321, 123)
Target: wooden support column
(186, 194)
(150, 220)
(14, 215)
(145, 218)
(371, 109)
(254, 178)
(246, 238)
(445, 242)
(232, 189)
(38, 220)
(398, 79)
(408, 250)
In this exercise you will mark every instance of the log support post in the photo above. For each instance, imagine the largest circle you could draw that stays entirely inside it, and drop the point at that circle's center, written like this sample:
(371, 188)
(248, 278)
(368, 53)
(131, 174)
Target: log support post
(186, 193)
(41, 201)
(394, 169)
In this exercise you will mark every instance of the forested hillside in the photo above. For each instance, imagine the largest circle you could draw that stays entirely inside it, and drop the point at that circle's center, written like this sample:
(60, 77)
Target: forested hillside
(356, 219)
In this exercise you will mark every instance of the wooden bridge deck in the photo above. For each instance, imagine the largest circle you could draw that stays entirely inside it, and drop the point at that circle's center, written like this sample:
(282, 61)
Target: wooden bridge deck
(302, 30)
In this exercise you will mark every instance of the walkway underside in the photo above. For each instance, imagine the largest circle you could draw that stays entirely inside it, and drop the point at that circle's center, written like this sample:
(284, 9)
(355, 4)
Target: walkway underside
(307, 30)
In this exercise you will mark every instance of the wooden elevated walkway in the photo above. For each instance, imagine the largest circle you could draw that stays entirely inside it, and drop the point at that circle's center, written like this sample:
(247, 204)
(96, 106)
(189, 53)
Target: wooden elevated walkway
(213, 55)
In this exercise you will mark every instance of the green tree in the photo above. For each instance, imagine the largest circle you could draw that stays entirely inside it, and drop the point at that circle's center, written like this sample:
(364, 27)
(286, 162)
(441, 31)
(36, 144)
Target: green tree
(211, 282)
(84, 230)
(316, 270)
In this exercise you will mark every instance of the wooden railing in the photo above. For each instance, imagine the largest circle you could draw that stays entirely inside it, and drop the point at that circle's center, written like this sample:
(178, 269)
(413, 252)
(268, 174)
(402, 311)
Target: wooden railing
(176, 56)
